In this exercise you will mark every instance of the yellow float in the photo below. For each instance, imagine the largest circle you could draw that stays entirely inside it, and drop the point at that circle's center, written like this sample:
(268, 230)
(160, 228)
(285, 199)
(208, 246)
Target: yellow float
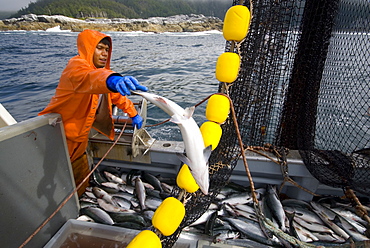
(185, 180)
(218, 108)
(236, 23)
(211, 133)
(227, 67)
(168, 216)
(147, 239)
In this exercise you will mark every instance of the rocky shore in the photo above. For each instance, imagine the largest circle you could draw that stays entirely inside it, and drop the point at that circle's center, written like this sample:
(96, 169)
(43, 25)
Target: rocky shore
(178, 23)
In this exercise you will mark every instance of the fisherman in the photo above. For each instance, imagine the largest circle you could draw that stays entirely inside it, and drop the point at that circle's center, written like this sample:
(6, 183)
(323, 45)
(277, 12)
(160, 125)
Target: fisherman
(86, 91)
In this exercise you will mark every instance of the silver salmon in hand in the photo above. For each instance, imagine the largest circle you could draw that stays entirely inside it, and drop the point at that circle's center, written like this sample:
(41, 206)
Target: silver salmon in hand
(196, 153)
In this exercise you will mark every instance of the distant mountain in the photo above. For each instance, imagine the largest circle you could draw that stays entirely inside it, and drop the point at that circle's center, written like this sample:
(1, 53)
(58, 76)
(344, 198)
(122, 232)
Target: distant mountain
(125, 8)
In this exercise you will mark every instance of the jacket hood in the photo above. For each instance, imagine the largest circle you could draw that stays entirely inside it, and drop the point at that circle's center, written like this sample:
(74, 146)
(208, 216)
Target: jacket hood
(87, 41)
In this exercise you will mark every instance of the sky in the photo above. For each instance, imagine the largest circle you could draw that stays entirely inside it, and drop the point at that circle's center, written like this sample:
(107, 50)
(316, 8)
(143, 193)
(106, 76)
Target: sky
(14, 5)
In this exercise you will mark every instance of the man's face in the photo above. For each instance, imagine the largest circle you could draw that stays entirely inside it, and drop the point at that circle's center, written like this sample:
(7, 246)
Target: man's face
(101, 55)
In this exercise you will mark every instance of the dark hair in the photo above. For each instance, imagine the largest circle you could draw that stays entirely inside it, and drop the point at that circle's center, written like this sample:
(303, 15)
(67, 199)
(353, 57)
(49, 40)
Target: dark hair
(106, 41)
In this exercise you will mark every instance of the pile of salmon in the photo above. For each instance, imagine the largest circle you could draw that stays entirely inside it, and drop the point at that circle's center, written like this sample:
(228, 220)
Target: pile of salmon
(129, 199)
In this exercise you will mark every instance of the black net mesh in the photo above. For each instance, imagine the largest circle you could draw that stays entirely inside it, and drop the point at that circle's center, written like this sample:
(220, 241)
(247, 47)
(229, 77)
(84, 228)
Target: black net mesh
(304, 84)
(340, 170)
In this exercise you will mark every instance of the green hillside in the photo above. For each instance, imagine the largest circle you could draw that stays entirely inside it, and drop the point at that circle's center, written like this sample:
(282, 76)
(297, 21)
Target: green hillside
(6, 14)
(125, 8)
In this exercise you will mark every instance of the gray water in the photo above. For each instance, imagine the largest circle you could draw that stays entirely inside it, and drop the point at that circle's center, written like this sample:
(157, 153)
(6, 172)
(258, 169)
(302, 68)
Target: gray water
(178, 66)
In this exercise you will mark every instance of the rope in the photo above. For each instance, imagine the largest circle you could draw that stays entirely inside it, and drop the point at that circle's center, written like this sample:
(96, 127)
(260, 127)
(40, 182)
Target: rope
(269, 225)
(73, 192)
(157, 124)
(254, 196)
(360, 209)
(282, 162)
(237, 130)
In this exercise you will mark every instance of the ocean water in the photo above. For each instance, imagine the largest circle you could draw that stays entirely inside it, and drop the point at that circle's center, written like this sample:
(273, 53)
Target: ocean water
(178, 66)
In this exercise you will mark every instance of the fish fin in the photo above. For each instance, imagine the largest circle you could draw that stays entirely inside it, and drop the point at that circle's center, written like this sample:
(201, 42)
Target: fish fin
(291, 230)
(184, 159)
(336, 220)
(189, 111)
(290, 216)
(207, 152)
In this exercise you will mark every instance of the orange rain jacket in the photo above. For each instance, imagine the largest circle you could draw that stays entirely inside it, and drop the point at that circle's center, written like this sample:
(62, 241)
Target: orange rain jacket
(77, 96)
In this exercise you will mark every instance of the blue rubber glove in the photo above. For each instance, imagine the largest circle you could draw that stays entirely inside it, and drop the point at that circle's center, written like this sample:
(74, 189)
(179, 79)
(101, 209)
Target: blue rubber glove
(124, 85)
(137, 84)
(137, 121)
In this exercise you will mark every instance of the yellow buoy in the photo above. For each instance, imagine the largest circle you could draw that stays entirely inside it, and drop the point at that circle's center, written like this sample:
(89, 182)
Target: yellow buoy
(236, 23)
(218, 108)
(147, 239)
(227, 67)
(185, 180)
(211, 133)
(168, 216)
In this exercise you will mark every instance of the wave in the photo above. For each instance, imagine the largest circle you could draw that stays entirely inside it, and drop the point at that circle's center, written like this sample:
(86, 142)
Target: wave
(129, 33)
(202, 33)
(8, 32)
(142, 33)
(56, 29)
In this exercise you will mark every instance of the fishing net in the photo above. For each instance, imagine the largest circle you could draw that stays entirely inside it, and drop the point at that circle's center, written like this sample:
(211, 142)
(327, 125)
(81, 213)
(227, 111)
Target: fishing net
(304, 84)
